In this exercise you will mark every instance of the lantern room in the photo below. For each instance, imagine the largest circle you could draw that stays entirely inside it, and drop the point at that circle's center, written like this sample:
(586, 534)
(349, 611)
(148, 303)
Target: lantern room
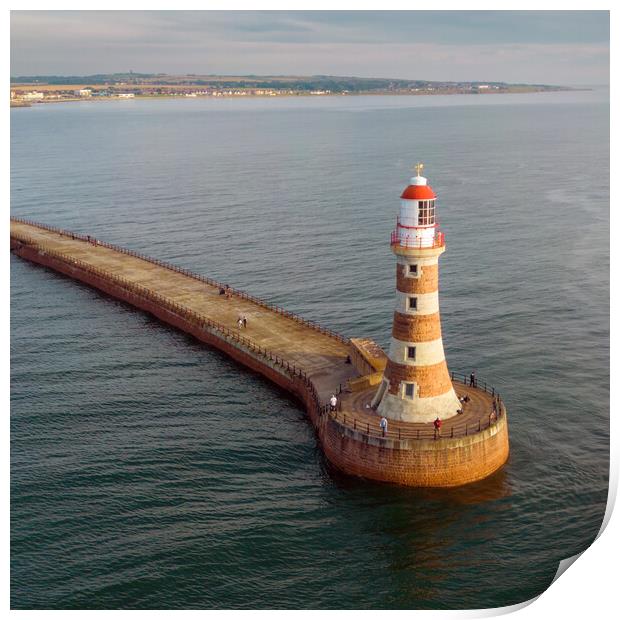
(417, 225)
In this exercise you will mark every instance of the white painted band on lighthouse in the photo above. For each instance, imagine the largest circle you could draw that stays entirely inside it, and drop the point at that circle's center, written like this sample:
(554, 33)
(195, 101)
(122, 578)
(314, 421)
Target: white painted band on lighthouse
(425, 303)
(420, 261)
(426, 353)
(419, 409)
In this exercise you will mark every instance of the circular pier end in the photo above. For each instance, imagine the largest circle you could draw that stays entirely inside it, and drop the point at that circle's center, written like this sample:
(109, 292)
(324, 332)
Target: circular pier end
(472, 446)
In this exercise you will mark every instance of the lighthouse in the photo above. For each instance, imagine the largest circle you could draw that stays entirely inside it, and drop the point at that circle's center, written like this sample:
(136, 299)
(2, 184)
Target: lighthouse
(416, 385)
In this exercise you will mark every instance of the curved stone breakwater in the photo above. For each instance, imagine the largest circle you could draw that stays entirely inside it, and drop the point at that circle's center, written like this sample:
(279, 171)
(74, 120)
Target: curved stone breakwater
(307, 360)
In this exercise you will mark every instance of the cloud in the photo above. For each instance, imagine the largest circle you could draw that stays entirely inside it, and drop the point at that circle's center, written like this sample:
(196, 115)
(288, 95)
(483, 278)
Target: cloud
(543, 47)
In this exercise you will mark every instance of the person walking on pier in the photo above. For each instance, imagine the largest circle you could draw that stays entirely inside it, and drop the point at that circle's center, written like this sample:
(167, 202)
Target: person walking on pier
(245, 321)
(333, 401)
(239, 322)
(383, 425)
(437, 424)
(472, 378)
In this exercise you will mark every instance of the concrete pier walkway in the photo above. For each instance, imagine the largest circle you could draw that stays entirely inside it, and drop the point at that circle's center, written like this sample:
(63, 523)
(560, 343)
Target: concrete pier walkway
(320, 354)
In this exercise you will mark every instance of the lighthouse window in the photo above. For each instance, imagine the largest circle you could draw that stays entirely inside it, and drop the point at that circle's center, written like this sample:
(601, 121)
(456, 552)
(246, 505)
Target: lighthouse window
(426, 212)
(409, 389)
(411, 353)
(413, 269)
(413, 303)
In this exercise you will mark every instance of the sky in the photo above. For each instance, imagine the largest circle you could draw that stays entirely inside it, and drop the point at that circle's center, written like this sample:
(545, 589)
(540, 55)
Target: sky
(542, 47)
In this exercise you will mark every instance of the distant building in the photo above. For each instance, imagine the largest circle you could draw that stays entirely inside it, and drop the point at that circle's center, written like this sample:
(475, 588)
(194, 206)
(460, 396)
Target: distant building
(33, 96)
(125, 95)
(84, 92)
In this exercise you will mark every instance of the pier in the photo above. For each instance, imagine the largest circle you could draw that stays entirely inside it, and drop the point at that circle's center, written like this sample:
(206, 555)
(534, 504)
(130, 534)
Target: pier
(302, 357)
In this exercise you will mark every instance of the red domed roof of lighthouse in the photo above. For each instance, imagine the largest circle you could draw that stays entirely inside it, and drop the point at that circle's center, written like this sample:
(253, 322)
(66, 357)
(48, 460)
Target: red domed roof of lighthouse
(418, 189)
(418, 192)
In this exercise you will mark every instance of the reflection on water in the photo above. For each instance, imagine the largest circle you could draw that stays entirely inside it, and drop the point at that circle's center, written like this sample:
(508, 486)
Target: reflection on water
(494, 487)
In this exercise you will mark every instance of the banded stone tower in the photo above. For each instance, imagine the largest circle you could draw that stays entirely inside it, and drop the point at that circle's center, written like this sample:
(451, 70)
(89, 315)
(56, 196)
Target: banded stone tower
(416, 385)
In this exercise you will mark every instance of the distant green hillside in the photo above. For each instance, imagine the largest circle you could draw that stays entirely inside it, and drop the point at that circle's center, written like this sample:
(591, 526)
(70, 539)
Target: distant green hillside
(299, 83)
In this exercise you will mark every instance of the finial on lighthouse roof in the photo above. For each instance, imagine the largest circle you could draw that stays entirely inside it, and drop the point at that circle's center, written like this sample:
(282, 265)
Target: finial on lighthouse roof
(418, 188)
(418, 179)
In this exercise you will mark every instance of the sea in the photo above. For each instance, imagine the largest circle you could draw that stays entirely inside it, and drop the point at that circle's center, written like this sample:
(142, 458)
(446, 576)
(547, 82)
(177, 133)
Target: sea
(151, 471)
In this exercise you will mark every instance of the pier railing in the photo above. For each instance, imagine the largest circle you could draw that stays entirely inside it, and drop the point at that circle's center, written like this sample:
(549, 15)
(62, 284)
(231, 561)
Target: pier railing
(186, 272)
(456, 426)
(475, 382)
(199, 320)
(451, 428)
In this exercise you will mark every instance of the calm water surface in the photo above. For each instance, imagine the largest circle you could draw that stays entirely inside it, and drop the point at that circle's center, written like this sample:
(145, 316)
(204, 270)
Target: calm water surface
(149, 471)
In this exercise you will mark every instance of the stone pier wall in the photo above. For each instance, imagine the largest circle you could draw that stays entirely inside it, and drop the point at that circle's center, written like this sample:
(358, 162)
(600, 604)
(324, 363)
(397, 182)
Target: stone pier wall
(417, 462)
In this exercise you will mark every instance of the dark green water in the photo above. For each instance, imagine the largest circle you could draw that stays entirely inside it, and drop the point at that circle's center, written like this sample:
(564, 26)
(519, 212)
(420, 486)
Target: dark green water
(148, 471)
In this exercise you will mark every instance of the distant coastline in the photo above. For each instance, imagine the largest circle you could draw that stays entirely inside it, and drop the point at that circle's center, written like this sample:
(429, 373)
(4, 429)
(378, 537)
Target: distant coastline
(26, 90)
